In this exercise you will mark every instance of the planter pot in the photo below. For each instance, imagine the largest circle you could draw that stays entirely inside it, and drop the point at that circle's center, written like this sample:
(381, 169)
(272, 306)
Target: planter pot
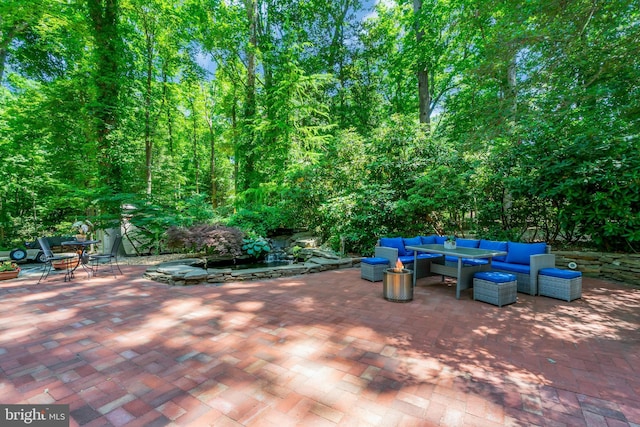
(6, 275)
(449, 245)
(65, 264)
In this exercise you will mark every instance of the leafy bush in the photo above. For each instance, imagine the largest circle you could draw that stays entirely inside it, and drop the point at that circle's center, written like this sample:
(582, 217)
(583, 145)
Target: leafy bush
(261, 221)
(214, 239)
(256, 247)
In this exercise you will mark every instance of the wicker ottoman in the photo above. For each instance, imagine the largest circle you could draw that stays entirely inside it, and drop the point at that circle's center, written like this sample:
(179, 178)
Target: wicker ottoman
(560, 284)
(372, 268)
(495, 287)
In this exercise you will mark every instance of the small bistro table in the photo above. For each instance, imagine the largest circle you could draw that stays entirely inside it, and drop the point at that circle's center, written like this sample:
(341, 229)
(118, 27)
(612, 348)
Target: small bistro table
(83, 258)
(463, 273)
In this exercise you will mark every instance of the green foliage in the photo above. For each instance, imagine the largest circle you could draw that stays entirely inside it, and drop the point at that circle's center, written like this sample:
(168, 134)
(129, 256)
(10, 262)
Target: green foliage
(257, 247)
(262, 221)
(534, 107)
(150, 222)
(8, 266)
(296, 251)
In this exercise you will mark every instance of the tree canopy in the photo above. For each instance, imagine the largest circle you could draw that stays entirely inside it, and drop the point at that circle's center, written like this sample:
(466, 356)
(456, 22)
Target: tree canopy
(353, 118)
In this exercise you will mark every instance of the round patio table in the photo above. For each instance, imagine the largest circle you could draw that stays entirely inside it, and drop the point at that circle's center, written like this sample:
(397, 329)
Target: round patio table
(81, 246)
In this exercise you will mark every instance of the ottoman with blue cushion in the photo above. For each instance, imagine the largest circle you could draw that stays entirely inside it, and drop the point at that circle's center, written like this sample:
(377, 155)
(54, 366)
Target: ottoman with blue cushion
(560, 284)
(495, 287)
(372, 268)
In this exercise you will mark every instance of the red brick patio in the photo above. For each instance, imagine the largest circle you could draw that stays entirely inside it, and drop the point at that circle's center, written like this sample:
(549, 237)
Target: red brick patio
(317, 350)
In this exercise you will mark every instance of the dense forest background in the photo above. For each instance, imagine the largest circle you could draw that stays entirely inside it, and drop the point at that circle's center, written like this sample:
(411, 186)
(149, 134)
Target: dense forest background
(502, 118)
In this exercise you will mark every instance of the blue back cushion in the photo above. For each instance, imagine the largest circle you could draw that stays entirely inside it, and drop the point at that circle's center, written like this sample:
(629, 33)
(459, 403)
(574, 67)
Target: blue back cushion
(494, 246)
(428, 240)
(394, 242)
(413, 241)
(519, 253)
(441, 239)
(467, 243)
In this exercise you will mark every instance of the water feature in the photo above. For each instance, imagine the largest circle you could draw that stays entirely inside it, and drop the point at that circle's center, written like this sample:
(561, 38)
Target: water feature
(276, 257)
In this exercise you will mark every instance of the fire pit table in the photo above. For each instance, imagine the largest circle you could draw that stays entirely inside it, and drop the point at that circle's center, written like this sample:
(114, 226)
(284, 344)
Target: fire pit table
(397, 284)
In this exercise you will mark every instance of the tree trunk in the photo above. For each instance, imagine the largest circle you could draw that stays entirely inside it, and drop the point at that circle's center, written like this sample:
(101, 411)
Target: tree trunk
(196, 164)
(250, 102)
(104, 21)
(210, 117)
(3, 59)
(424, 93)
(234, 127)
(512, 90)
(149, 37)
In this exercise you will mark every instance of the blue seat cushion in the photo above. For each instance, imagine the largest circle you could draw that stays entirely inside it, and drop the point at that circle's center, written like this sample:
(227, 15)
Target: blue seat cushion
(428, 240)
(406, 259)
(422, 255)
(375, 261)
(560, 273)
(475, 261)
(519, 253)
(394, 242)
(411, 241)
(466, 261)
(516, 268)
(494, 246)
(495, 276)
(449, 258)
(467, 243)
(440, 240)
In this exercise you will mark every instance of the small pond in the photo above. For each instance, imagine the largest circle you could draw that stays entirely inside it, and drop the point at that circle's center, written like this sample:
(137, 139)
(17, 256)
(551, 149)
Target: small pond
(243, 265)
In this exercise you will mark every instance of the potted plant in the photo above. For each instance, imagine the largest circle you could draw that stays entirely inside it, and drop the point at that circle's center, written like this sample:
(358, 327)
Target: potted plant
(450, 243)
(82, 229)
(9, 270)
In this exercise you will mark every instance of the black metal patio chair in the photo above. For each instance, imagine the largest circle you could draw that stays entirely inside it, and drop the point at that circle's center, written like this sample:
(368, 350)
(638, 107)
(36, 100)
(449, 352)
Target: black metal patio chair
(110, 258)
(50, 258)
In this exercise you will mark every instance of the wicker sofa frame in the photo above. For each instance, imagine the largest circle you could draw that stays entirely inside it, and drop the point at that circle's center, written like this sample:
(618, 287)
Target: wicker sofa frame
(560, 288)
(528, 283)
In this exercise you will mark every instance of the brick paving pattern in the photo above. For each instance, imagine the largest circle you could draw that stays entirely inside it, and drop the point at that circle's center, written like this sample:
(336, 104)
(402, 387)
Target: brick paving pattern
(317, 350)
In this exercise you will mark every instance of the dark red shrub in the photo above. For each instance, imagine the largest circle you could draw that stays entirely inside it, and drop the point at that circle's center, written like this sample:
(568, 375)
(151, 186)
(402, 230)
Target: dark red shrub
(214, 239)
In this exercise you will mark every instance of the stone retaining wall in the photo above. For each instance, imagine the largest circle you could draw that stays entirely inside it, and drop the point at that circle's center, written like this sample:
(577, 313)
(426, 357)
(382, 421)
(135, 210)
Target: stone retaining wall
(613, 266)
(180, 274)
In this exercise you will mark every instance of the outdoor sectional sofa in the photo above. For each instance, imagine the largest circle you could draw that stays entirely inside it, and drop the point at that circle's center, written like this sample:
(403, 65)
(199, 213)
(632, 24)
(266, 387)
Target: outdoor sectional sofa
(522, 259)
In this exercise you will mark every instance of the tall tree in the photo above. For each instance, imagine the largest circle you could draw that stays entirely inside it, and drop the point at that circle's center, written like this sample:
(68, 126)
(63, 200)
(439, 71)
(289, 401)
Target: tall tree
(424, 93)
(247, 158)
(103, 16)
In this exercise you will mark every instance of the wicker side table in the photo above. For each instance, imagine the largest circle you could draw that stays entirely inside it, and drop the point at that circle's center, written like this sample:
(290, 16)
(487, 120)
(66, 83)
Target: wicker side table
(495, 287)
(372, 268)
(561, 284)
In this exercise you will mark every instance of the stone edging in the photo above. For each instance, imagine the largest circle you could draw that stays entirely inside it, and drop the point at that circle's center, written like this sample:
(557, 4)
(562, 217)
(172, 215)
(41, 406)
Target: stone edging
(190, 272)
(612, 266)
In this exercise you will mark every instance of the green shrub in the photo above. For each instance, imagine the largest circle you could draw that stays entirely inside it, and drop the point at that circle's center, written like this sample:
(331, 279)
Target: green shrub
(261, 221)
(257, 247)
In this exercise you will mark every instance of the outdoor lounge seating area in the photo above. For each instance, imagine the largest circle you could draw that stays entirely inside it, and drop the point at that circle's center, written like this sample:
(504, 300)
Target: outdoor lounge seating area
(525, 261)
(522, 259)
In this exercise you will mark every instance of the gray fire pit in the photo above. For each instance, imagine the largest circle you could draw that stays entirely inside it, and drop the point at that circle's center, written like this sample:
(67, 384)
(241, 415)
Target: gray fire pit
(397, 285)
